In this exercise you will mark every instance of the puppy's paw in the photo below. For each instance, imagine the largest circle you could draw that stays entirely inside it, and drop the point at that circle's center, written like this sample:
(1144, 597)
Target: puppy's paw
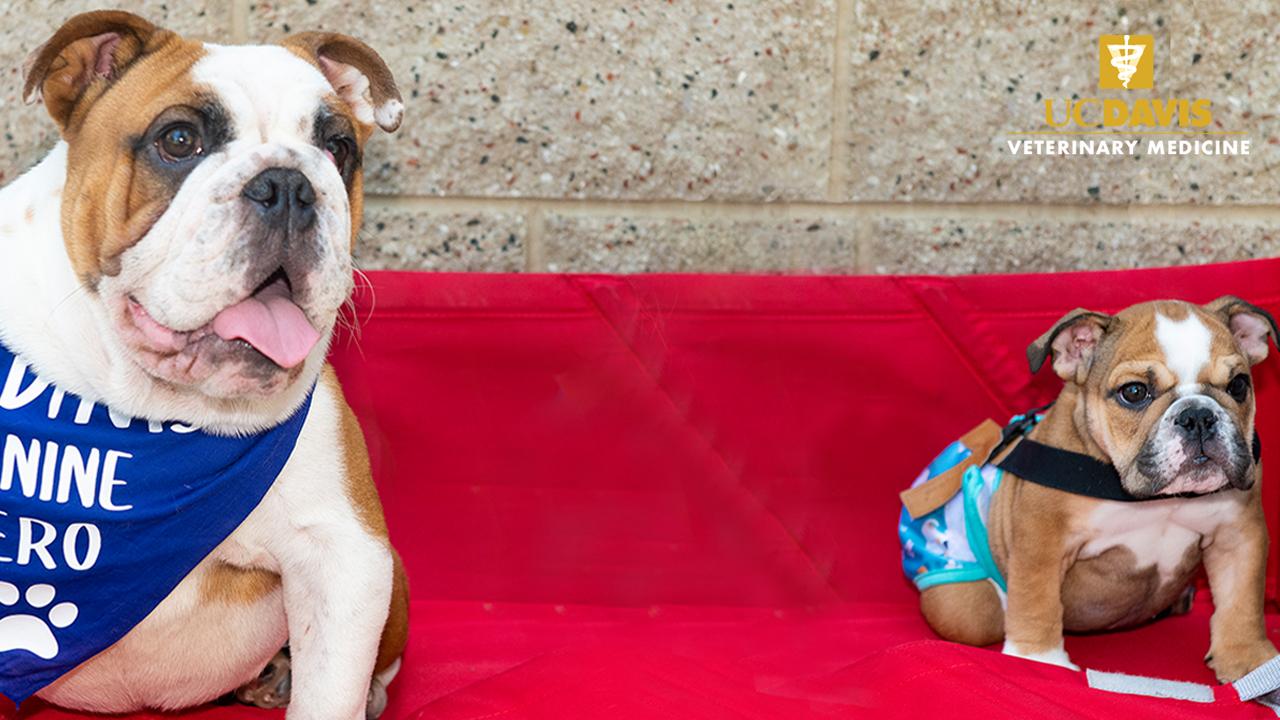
(1053, 656)
(1232, 662)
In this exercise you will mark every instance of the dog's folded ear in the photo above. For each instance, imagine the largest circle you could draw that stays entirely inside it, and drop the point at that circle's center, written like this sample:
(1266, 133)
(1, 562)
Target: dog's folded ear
(82, 57)
(358, 74)
(1250, 324)
(1072, 341)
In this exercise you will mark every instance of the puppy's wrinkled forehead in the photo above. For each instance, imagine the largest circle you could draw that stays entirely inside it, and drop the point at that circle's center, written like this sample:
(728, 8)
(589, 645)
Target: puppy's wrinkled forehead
(268, 92)
(1187, 345)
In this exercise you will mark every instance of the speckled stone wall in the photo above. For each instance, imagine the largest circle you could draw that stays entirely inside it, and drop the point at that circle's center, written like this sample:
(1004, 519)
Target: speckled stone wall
(765, 135)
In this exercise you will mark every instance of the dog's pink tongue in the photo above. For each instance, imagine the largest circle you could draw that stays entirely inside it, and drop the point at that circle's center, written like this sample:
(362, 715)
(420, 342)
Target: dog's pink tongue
(272, 323)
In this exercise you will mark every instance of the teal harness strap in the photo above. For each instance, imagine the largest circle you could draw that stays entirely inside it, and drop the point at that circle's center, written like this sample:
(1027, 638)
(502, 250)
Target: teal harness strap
(975, 529)
(950, 575)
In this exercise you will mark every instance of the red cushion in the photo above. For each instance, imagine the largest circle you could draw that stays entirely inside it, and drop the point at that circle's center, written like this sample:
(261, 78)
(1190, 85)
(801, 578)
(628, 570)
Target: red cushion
(475, 660)
(675, 496)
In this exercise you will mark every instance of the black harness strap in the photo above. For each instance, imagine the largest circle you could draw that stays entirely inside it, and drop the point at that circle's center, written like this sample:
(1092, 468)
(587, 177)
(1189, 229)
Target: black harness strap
(1064, 470)
(1068, 471)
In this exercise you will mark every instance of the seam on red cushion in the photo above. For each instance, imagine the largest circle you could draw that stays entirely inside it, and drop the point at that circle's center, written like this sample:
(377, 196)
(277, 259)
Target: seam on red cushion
(823, 583)
(955, 345)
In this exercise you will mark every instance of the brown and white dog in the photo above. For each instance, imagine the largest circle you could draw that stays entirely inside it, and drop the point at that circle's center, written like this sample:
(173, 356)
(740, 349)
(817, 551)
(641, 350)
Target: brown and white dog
(1163, 392)
(184, 253)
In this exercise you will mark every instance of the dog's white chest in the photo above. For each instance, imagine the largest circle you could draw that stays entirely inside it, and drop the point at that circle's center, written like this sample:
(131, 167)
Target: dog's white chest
(1159, 532)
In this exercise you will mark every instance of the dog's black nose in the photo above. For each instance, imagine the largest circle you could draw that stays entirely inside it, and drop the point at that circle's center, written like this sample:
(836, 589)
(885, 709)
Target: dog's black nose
(1196, 422)
(284, 197)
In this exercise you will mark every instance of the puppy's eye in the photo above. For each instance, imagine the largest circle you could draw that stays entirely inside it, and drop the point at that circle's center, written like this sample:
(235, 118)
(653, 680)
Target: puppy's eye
(178, 142)
(339, 148)
(1134, 394)
(1238, 388)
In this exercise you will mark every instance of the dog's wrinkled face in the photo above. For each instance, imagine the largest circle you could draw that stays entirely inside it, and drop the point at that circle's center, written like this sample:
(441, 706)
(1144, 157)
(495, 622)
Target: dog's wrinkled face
(213, 192)
(1165, 390)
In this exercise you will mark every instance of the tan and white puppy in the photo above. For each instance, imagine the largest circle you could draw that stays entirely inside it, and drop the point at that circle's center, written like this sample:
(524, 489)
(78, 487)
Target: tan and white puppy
(183, 253)
(1163, 392)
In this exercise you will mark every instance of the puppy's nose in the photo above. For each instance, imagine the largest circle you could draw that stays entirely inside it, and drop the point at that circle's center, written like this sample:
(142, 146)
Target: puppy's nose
(1196, 422)
(283, 197)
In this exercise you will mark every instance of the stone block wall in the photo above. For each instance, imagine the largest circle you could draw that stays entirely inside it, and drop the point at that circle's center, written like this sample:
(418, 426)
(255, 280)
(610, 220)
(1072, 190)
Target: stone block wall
(765, 135)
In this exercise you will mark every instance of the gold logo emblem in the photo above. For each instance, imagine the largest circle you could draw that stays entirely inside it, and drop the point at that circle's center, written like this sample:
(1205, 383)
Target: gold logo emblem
(1126, 62)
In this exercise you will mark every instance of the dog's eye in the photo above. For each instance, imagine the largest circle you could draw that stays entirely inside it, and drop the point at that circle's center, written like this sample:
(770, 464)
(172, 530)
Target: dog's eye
(1134, 394)
(179, 142)
(339, 148)
(1238, 388)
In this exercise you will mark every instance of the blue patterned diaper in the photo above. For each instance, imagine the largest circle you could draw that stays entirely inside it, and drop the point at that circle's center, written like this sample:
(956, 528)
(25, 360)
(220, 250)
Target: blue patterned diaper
(949, 544)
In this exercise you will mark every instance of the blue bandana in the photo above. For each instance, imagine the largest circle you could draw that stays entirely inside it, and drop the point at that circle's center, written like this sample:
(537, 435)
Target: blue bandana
(101, 517)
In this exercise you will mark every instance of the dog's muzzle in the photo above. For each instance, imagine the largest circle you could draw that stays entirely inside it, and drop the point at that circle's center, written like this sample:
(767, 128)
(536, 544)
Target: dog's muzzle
(283, 198)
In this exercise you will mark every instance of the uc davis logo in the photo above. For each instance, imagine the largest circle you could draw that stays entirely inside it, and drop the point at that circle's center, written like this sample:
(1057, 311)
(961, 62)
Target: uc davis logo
(1126, 62)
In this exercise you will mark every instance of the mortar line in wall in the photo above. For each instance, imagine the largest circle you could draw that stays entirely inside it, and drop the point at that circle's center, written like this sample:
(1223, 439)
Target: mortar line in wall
(841, 104)
(862, 250)
(730, 210)
(535, 252)
(240, 21)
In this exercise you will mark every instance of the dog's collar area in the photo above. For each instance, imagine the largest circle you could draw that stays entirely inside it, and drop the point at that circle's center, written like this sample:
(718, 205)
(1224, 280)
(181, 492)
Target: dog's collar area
(1072, 472)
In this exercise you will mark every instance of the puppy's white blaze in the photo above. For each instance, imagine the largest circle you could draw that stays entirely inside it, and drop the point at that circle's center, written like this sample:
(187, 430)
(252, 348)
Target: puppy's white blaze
(1186, 347)
(1055, 656)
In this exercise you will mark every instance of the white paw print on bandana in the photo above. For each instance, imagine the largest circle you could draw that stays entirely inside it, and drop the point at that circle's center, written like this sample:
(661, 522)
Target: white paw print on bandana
(30, 632)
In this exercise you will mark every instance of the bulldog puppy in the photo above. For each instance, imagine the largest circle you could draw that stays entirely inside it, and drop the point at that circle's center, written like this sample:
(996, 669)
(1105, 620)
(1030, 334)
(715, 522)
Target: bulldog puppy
(183, 254)
(1162, 391)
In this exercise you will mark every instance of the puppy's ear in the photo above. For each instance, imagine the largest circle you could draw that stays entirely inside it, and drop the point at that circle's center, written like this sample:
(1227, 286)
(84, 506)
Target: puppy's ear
(357, 73)
(1072, 341)
(1250, 324)
(82, 58)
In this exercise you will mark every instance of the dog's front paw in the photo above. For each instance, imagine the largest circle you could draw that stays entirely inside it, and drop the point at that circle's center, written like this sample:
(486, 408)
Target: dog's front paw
(1053, 656)
(1232, 662)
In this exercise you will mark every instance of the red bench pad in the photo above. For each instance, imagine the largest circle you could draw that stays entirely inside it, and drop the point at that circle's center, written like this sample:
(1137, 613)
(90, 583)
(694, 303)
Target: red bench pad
(675, 496)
